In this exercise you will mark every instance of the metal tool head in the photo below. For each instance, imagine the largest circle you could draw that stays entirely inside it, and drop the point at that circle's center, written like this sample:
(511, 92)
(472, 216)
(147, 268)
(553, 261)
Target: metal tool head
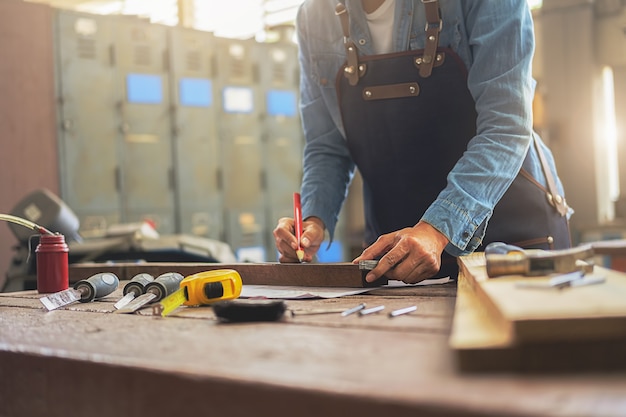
(540, 262)
(367, 265)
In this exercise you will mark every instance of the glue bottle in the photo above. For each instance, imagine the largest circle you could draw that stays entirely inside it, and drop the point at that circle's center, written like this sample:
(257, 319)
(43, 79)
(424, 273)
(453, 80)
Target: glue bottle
(52, 263)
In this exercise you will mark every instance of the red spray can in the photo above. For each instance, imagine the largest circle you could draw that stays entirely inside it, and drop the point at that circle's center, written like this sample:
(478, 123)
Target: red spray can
(52, 263)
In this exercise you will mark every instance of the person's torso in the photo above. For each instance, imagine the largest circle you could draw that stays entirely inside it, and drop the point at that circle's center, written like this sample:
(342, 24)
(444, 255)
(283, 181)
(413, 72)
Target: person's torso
(327, 52)
(327, 49)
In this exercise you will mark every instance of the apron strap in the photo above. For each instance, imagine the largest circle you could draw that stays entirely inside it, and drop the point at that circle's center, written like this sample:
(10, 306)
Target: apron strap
(351, 70)
(554, 198)
(433, 27)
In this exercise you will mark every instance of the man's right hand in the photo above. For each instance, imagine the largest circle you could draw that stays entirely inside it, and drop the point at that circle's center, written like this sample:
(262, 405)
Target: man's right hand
(287, 244)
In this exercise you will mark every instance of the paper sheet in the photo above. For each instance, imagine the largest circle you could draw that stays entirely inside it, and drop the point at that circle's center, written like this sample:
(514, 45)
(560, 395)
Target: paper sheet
(295, 293)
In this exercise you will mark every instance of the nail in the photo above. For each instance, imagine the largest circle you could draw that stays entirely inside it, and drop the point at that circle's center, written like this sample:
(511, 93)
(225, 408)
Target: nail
(353, 310)
(402, 311)
(371, 310)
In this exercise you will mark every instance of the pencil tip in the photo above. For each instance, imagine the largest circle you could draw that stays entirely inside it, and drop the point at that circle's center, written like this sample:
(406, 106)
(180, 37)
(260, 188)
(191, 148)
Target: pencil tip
(300, 255)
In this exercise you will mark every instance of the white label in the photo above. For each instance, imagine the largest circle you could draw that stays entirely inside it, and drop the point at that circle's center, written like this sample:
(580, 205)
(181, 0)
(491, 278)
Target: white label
(60, 299)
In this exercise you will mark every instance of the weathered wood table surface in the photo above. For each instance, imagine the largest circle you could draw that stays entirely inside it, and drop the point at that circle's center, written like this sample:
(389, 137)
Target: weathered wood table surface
(82, 360)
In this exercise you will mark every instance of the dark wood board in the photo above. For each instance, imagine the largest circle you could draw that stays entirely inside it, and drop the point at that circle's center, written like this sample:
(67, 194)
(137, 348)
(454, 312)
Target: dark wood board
(271, 273)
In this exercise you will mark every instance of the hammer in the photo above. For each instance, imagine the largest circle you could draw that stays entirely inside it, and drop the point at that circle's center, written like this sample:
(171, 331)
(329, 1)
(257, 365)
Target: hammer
(504, 259)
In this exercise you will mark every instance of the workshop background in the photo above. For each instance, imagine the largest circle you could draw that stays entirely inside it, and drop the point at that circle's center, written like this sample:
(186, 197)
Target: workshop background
(184, 114)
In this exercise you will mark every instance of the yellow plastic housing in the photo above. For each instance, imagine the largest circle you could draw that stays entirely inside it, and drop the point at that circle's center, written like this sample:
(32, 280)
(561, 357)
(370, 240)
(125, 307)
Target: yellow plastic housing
(204, 287)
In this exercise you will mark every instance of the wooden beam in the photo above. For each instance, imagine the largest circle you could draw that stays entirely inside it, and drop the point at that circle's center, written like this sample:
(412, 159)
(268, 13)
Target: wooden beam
(307, 275)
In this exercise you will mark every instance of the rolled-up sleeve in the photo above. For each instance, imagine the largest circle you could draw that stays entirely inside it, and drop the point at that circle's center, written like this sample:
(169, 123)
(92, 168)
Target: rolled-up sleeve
(327, 166)
(501, 43)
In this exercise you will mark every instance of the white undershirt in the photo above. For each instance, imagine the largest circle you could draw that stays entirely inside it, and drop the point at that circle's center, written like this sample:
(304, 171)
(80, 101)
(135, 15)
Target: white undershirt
(380, 23)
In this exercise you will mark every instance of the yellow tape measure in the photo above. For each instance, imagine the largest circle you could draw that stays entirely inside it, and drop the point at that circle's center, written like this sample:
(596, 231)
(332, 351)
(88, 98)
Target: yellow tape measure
(202, 288)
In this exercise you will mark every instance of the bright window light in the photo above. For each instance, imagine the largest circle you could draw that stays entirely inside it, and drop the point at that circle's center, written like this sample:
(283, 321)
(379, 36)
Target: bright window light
(271, 6)
(610, 132)
(241, 19)
(158, 11)
(101, 7)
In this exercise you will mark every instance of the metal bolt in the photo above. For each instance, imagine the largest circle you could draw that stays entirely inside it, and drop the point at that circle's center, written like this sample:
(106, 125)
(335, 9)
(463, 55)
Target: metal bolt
(412, 89)
(368, 93)
(349, 70)
(418, 61)
(431, 38)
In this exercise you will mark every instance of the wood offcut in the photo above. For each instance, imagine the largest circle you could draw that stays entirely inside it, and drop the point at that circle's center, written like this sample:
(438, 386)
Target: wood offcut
(500, 327)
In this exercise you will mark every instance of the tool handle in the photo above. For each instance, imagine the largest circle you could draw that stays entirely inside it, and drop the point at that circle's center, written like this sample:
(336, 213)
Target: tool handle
(501, 248)
(237, 311)
(97, 286)
(164, 285)
(138, 284)
(509, 264)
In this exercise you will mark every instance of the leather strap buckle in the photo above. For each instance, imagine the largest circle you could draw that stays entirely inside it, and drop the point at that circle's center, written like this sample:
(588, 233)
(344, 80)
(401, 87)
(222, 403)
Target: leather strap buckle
(429, 25)
(352, 69)
(434, 24)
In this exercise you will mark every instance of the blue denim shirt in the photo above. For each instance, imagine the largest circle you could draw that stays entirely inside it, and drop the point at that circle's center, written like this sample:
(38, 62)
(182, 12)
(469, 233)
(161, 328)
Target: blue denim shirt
(495, 40)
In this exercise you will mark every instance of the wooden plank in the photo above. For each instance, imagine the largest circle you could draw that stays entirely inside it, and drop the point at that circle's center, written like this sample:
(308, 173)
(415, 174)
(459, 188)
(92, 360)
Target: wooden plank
(594, 312)
(483, 340)
(271, 273)
(482, 344)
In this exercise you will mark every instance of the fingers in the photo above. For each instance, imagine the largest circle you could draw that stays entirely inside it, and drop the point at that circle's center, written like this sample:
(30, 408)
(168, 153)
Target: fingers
(287, 244)
(285, 240)
(409, 255)
(312, 237)
(409, 268)
(382, 245)
(413, 269)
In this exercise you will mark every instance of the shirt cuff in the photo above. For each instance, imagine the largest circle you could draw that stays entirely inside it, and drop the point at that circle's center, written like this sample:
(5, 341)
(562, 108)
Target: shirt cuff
(464, 232)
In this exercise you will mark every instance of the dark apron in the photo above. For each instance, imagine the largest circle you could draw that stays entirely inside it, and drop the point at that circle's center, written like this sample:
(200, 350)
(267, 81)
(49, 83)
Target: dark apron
(399, 129)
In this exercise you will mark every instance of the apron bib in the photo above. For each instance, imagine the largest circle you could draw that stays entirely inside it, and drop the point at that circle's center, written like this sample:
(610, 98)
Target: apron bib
(408, 118)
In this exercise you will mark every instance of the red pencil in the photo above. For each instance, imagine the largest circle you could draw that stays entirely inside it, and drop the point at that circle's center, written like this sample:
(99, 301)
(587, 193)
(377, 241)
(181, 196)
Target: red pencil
(297, 217)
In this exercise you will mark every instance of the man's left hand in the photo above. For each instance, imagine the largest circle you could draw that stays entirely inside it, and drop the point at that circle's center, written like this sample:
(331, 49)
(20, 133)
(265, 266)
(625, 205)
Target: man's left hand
(410, 255)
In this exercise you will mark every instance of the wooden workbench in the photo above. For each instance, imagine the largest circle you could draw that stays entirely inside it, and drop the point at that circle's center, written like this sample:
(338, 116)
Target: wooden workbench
(84, 361)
